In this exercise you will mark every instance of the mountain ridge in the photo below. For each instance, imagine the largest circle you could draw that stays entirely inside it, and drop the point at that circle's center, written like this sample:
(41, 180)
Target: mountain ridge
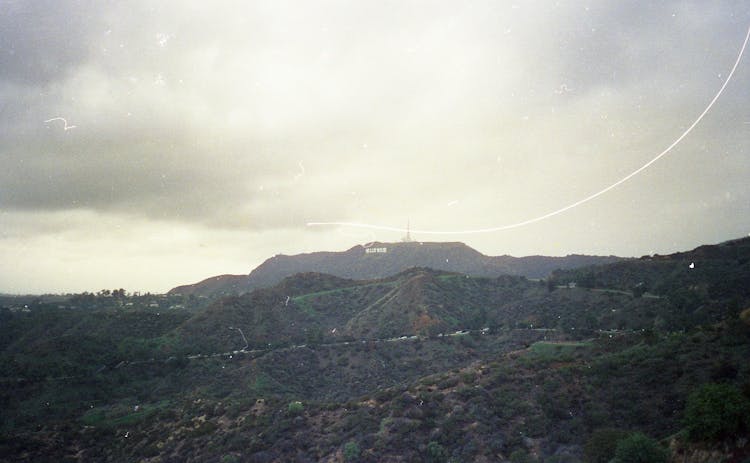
(382, 259)
(426, 301)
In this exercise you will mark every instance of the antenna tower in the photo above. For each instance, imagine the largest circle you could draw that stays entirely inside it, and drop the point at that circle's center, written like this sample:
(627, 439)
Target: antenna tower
(407, 238)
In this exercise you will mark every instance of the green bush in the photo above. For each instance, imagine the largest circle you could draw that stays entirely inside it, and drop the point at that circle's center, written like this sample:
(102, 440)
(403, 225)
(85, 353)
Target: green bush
(601, 446)
(716, 411)
(295, 408)
(207, 427)
(435, 452)
(520, 456)
(639, 448)
(351, 451)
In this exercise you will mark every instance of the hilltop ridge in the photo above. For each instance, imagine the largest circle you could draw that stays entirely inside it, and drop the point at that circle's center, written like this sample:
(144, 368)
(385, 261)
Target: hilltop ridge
(382, 259)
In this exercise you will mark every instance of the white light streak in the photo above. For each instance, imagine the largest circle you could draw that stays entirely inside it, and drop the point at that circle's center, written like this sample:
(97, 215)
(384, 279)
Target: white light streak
(66, 127)
(569, 206)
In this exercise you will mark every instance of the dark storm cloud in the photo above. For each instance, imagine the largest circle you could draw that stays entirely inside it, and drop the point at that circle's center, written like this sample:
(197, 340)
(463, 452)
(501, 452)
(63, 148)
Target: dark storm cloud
(178, 157)
(224, 110)
(233, 121)
(157, 176)
(41, 40)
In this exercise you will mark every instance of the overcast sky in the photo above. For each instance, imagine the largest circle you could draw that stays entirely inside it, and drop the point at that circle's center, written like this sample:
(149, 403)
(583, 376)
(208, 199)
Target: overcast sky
(208, 134)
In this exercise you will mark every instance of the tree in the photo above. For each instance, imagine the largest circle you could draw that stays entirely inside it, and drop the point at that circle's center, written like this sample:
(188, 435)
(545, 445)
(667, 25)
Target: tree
(586, 279)
(716, 411)
(435, 452)
(295, 408)
(314, 336)
(118, 293)
(351, 451)
(601, 446)
(639, 290)
(520, 456)
(639, 448)
(650, 336)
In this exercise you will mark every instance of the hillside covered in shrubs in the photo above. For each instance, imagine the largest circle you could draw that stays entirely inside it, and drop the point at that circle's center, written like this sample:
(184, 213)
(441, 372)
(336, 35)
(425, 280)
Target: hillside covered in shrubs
(642, 360)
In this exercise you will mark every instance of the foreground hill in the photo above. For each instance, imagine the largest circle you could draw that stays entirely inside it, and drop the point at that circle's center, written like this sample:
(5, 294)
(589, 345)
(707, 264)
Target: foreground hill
(380, 260)
(314, 307)
(704, 282)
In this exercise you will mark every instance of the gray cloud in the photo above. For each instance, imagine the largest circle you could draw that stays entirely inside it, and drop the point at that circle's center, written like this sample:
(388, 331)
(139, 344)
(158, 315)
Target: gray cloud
(42, 40)
(257, 117)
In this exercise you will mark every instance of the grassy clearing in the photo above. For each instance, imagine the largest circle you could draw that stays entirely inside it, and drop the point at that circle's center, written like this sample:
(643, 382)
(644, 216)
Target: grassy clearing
(304, 304)
(548, 351)
(339, 290)
(303, 301)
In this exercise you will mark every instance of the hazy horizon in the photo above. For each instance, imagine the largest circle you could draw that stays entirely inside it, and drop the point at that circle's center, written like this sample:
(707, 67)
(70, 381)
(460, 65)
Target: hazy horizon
(201, 139)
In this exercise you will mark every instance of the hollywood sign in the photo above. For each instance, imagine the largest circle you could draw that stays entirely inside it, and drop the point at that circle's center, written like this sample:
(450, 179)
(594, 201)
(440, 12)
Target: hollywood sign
(375, 250)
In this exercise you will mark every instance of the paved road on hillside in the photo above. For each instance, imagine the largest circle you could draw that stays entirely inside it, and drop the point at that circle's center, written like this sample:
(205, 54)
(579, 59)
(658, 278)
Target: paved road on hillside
(257, 353)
